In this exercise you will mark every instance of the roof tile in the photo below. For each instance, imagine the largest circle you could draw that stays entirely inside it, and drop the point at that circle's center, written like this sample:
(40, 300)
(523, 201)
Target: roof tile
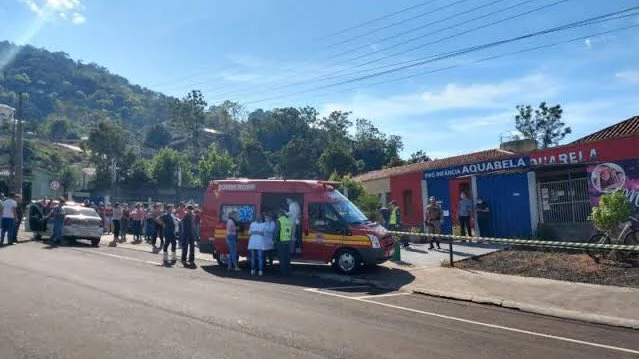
(624, 128)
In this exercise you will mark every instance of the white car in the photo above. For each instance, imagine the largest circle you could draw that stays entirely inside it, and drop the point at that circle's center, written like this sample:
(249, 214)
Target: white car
(79, 223)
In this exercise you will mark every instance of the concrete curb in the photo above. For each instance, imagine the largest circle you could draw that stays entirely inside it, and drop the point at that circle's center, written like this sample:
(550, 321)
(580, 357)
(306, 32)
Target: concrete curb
(531, 308)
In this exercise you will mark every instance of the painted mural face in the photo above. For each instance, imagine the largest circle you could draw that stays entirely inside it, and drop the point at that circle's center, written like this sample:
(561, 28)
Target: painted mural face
(608, 177)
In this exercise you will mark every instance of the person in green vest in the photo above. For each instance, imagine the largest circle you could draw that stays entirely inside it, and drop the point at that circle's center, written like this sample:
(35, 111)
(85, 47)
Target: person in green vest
(394, 221)
(283, 236)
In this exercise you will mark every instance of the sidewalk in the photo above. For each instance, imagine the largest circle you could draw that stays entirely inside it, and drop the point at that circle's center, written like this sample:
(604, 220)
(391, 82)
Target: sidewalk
(617, 306)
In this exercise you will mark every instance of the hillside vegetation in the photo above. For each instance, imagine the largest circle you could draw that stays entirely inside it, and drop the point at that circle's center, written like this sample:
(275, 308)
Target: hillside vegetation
(67, 99)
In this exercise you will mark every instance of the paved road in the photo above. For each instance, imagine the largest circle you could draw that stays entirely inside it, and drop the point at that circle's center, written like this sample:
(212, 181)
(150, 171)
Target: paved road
(99, 303)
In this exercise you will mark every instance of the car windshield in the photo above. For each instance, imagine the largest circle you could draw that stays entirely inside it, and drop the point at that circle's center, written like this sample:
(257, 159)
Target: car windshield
(347, 210)
(80, 211)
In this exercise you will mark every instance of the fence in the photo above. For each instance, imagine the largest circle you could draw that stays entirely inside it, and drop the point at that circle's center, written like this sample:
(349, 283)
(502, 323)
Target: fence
(521, 242)
(564, 201)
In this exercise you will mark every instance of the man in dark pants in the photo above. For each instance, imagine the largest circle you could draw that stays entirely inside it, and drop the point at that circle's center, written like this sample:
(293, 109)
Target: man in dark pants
(385, 214)
(167, 221)
(283, 237)
(188, 236)
(117, 216)
(483, 217)
(465, 212)
(19, 215)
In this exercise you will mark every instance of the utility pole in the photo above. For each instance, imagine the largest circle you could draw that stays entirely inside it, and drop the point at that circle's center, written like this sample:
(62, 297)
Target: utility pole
(19, 148)
(12, 155)
(114, 177)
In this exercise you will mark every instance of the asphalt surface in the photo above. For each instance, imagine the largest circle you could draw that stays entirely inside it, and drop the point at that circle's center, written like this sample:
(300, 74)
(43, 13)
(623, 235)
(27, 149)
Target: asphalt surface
(83, 302)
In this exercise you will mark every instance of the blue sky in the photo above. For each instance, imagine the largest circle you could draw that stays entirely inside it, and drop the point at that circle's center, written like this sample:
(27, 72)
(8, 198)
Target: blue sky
(276, 53)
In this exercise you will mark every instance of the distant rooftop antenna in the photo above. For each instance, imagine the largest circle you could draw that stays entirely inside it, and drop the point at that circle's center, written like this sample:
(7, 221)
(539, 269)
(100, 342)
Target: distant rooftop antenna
(508, 136)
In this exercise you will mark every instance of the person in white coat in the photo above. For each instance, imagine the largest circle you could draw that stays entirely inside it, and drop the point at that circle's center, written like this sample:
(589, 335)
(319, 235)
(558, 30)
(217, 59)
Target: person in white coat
(294, 213)
(256, 245)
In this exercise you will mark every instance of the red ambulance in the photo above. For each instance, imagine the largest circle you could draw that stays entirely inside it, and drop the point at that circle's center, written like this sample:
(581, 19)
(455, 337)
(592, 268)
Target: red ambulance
(331, 229)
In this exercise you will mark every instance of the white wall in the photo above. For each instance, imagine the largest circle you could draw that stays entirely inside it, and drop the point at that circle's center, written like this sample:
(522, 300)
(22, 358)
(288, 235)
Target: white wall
(378, 186)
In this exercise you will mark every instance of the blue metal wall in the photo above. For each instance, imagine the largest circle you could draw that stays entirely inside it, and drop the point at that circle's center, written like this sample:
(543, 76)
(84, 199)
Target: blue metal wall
(439, 188)
(509, 203)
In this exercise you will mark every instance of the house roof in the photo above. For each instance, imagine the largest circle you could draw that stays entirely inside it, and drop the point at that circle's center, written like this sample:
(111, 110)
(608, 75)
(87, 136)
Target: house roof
(624, 128)
(434, 164)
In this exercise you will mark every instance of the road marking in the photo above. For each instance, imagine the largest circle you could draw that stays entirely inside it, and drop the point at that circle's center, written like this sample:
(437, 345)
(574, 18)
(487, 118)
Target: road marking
(347, 287)
(115, 256)
(382, 295)
(468, 321)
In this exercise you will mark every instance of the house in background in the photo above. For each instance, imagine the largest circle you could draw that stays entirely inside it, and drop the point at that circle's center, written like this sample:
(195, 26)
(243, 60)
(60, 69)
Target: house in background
(546, 192)
(6, 115)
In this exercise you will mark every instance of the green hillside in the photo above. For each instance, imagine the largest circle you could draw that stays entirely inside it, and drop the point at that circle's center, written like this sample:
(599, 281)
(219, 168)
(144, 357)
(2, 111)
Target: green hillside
(150, 135)
(58, 87)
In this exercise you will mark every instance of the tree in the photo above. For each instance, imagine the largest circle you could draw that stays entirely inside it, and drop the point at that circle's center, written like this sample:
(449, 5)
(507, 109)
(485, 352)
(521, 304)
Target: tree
(68, 179)
(253, 161)
(58, 128)
(368, 203)
(394, 145)
(158, 136)
(418, 157)
(336, 126)
(613, 209)
(216, 165)
(293, 159)
(337, 160)
(106, 145)
(369, 145)
(543, 124)
(137, 174)
(188, 115)
(164, 168)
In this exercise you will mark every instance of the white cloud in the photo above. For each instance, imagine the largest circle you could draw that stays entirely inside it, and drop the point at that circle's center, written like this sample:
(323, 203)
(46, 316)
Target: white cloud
(57, 9)
(629, 76)
(501, 95)
(78, 18)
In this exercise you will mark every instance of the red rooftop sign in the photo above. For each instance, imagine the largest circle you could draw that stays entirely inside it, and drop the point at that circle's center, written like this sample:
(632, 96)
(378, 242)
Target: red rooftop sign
(608, 150)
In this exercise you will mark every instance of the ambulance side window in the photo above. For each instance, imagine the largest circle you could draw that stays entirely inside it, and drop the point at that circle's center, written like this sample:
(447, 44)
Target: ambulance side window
(322, 217)
(245, 212)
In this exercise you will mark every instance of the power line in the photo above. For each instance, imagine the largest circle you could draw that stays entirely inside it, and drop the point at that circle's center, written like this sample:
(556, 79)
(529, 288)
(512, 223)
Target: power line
(323, 37)
(464, 51)
(363, 35)
(420, 27)
(353, 69)
(540, 47)
(368, 22)
(395, 24)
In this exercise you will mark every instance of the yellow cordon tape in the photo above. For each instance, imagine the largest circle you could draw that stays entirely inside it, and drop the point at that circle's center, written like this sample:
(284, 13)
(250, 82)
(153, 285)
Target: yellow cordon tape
(528, 242)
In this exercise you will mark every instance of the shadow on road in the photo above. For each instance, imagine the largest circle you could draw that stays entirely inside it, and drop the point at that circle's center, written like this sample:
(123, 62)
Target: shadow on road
(318, 275)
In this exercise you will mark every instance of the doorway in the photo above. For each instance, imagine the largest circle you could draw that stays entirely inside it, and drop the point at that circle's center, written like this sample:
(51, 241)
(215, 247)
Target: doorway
(272, 203)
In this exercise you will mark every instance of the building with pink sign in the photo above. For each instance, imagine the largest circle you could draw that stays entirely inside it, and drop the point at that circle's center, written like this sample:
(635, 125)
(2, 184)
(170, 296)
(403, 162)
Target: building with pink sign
(531, 191)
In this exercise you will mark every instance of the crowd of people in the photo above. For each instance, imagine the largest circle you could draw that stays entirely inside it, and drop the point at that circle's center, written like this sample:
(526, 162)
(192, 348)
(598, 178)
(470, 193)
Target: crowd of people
(148, 223)
(267, 233)
(467, 211)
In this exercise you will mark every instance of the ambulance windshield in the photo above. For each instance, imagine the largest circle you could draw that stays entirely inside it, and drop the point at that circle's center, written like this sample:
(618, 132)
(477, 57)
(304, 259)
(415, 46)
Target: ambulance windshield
(347, 210)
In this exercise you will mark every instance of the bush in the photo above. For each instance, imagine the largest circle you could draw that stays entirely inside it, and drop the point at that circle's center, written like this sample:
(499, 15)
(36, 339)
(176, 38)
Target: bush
(613, 210)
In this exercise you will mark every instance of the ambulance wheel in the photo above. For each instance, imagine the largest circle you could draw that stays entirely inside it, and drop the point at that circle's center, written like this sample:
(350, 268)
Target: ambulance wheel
(346, 261)
(95, 242)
